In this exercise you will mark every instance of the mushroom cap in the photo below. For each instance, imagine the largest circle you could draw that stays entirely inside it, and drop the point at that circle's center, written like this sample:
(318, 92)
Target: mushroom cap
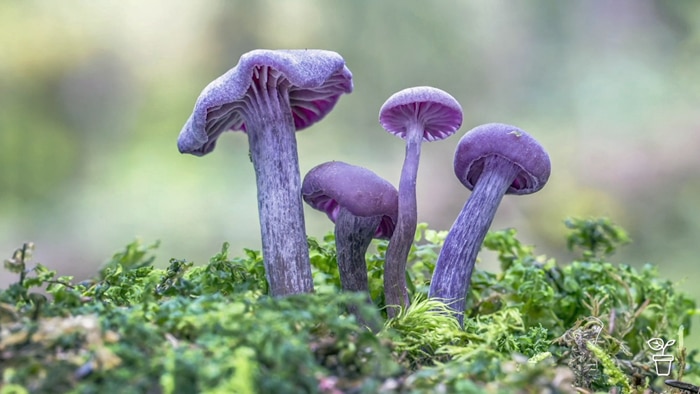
(333, 184)
(509, 143)
(313, 80)
(435, 110)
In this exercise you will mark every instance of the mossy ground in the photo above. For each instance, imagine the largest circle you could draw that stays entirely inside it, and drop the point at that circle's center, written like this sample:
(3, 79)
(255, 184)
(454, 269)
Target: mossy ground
(536, 325)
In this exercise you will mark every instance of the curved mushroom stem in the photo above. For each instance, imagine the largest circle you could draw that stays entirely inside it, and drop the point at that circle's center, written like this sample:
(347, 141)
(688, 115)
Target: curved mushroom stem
(273, 149)
(353, 235)
(395, 292)
(454, 266)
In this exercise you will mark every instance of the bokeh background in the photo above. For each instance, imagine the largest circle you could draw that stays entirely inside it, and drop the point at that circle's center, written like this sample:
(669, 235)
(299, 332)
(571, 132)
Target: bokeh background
(93, 95)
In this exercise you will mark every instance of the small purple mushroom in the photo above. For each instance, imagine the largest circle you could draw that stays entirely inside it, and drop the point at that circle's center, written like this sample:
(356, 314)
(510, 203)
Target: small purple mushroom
(270, 95)
(361, 204)
(415, 114)
(491, 160)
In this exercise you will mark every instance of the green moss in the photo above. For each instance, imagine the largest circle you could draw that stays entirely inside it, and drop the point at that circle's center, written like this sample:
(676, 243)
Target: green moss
(614, 375)
(212, 328)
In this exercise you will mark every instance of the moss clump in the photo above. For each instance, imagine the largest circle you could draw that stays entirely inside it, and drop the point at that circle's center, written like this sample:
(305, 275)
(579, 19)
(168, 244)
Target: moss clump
(212, 328)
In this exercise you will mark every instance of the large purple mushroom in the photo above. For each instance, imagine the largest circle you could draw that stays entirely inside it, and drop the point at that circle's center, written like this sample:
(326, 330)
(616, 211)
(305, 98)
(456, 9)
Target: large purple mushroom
(270, 95)
(491, 160)
(362, 205)
(415, 114)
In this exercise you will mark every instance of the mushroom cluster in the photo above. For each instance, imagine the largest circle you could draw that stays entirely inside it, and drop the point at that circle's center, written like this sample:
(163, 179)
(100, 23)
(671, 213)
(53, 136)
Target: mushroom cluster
(271, 94)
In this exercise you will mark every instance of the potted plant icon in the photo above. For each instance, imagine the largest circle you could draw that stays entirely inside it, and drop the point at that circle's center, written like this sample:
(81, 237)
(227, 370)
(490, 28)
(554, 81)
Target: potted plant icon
(662, 362)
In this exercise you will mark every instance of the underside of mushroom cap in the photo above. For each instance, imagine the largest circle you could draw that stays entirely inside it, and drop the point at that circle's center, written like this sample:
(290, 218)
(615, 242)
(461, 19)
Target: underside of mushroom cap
(435, 110)
(509, 143)
(313, 81)
(331, 185)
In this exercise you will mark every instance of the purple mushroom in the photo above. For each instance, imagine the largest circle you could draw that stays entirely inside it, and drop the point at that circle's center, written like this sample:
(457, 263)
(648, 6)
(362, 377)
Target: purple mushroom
(269, 95)
(491, 160)
(361, 204)
(415, 114)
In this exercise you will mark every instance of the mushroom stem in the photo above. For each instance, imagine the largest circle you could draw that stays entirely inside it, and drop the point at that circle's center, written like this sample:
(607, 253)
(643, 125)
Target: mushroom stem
(395, 292)
(353, 235)
(454, 266)
(273, 149)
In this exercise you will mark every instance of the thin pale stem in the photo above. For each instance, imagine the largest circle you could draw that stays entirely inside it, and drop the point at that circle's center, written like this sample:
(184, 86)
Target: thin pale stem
(395, 291)
(455, 264)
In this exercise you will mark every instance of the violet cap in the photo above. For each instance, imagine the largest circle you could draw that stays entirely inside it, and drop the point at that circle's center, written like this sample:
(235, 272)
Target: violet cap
(331, 185)
(510, 143)
(436, 110)
(312, 79)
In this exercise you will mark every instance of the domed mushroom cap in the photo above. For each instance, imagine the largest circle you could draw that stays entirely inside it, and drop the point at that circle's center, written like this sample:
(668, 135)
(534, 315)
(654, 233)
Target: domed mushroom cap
(331, 185)
(509, 143)
(313, 81)
(433, 109)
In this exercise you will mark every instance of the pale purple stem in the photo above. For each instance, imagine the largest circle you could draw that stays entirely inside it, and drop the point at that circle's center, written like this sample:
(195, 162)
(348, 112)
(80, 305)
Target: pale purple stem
(454, 266)
(353, 235)
(395, 291)
(273, 150)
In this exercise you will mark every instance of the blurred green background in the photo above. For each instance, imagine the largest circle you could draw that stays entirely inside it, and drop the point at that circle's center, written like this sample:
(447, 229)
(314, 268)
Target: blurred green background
(93, 95)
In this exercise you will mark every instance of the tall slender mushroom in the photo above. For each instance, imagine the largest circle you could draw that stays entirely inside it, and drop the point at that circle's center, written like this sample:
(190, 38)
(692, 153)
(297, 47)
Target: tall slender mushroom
(362, 205)
(491, 160)
(415, 114)
(270, 95)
